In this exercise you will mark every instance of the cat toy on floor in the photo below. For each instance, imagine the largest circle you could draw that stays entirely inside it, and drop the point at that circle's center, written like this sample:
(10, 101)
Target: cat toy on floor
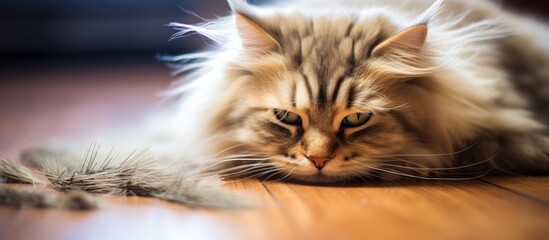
(137, 174)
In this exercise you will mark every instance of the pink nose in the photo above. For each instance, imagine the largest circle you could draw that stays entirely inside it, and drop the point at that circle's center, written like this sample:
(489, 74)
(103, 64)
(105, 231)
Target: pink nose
(319, 161)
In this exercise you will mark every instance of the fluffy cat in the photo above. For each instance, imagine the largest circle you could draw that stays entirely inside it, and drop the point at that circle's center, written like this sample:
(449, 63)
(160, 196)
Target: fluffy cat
(328, 91)
(325, 91)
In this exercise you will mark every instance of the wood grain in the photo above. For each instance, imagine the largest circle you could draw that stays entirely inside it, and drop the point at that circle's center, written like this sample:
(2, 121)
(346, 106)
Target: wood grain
(533, 186)
(144, 218)
(412, 210)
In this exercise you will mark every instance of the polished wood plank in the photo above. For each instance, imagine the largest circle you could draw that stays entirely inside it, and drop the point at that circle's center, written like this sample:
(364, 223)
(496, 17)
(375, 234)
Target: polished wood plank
(532, 186)
(412, 210)
(6, 218)
(268, 219)
(145, 218)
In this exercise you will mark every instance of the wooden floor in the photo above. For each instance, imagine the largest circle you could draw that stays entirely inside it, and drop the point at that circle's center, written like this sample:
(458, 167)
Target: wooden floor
(75, 101)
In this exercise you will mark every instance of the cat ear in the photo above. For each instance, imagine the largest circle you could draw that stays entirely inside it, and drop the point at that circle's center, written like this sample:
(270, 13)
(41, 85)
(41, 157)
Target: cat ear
(407, 42)
(254, 39)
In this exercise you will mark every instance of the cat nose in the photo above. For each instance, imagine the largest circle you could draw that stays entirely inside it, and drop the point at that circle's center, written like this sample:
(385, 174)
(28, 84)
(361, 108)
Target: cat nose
(319, 161)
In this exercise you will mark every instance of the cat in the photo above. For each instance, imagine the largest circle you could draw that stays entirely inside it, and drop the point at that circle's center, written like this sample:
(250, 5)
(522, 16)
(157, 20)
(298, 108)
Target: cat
(327, 91)
(332, 91)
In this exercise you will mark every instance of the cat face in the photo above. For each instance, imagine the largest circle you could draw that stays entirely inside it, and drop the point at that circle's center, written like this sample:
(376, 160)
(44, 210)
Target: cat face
(331, 133)
(328, 92)
(321, 101)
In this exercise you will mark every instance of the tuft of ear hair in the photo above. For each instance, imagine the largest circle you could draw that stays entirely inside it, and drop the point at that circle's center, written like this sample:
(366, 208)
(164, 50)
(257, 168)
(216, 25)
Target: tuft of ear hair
(240, 6)
(407, 42)
(254, 39)
(402, 56)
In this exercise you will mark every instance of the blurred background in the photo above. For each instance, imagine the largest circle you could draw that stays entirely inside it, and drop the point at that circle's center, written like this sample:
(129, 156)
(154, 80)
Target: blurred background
(38, 30)
(69, 65)
(58, 30)
(45, 32)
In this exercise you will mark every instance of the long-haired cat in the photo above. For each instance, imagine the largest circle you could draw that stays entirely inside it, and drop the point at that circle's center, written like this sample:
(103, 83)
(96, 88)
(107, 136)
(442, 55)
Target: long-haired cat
(323, 91)
(327, 91)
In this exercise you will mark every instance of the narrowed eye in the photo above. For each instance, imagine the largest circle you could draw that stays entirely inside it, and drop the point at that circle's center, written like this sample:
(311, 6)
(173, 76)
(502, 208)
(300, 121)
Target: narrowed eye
(356, 119)
(287, 117)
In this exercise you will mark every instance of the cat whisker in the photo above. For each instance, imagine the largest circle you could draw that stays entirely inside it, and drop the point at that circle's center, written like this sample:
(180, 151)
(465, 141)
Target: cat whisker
(216, 163)
(250, 175)
(242, 169)
(241, 160)
(274, 172)
(382, 110)
(358, 174)
(229, 173)
(395, 172)
(294, 164)
(442, 168)
(370, 174)
(389, 159)
(418, 170)
(281, 178)
(253, 173)
(288, 175)
(228, 149)
(427, 154)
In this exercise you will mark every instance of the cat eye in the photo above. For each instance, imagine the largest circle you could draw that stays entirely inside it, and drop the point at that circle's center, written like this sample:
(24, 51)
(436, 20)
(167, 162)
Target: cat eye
(356, 119)
(287, 117)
